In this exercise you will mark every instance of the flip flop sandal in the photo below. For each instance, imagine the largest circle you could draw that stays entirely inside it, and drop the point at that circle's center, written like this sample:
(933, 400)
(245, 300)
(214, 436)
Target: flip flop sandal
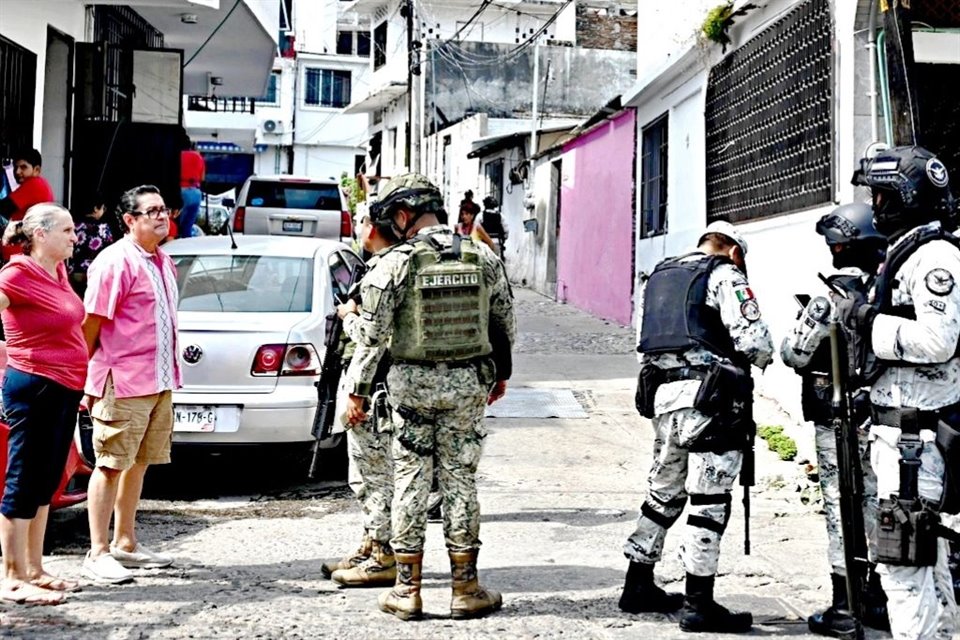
(28, 594)
(54, 583)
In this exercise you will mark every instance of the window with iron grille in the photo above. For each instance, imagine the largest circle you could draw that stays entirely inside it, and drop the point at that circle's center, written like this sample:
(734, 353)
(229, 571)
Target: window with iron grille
(380, 45)
(653, 185)
(18, 84)
(769, 119)
(327, 87)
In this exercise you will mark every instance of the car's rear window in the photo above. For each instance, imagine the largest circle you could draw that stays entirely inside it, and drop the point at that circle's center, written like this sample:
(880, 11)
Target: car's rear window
(252, 284)
(294, 195)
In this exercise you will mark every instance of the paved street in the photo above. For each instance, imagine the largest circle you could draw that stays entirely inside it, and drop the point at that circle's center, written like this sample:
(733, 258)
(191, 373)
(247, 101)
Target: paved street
(559, 496)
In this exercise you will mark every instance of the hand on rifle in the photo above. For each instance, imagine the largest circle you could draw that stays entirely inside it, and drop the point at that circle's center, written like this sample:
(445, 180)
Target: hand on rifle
(348, 307)
(356, 410)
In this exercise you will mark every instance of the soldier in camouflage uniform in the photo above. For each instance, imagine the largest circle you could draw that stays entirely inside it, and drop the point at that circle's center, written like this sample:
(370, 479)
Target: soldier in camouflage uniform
(697, 454)
(371, 463)
(858, 249)
(912, 320)
(443, 306)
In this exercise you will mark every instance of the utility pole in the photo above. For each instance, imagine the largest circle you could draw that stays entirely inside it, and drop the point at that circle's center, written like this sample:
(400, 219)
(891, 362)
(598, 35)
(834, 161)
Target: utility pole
(413, 68)
(898, 37)
(536, 82)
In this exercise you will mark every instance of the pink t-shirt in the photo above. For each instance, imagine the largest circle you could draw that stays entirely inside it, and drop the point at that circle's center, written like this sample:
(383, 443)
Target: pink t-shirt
(42, 323)
(136, 293)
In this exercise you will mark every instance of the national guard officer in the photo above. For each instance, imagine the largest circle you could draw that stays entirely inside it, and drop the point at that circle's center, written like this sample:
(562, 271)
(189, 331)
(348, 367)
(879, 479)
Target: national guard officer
(858, 249)
(443, 305)
(701, 329)
(368, 449)
(913, 323)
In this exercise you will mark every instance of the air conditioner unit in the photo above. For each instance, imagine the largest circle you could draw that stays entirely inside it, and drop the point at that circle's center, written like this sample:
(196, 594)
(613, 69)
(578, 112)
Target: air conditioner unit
(272, 126)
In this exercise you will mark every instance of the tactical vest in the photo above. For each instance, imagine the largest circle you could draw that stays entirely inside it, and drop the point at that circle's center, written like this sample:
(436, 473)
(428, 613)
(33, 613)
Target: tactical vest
(675, 312)
(883, 292)
(816, 395)
(445, 310)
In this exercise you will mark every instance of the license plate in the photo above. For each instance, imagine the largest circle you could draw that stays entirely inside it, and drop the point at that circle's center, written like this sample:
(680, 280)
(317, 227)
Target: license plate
(194, 418)
(293, 225)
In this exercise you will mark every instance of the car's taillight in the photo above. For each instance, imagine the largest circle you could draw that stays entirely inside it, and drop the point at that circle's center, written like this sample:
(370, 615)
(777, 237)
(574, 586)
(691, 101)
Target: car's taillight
(268, 360)
(346, 225)
(286, 360)
(238, 219)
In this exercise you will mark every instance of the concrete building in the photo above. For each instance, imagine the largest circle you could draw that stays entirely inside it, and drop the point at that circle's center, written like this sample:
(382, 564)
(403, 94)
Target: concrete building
(92, 85)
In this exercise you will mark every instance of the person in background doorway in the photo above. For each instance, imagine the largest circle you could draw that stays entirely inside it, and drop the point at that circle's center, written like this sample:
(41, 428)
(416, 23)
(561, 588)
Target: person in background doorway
(93, 236)
(468, 226)
(193, 171)
(33, 189)
(46, 369)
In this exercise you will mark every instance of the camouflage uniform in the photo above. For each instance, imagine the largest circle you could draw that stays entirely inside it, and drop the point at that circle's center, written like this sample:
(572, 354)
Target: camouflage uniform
(921, 599)
(796, 351)
(447, 400)
(706, 477)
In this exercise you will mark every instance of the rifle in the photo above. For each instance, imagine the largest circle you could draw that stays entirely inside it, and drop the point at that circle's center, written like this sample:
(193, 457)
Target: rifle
(331, 369)
(851, 475)
(748, 468)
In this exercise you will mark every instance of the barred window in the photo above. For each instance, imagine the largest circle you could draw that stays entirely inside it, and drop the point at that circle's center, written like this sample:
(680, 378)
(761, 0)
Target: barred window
(769, 120)
(653, 187)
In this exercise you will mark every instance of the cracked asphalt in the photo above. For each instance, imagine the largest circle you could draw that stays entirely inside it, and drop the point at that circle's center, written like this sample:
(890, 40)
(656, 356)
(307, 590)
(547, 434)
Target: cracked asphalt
(559, 496)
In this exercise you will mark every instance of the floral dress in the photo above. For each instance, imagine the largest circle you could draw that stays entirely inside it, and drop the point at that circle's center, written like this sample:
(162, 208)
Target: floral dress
(92, 238)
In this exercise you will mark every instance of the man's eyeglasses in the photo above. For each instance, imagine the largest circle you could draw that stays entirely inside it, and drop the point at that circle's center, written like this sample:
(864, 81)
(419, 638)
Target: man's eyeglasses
(154, 213)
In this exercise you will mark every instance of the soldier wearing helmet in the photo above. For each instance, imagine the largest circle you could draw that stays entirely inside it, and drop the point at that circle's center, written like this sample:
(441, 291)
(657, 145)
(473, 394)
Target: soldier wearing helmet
(443, 306)
(858, 249)
(912, 323)
(700, 331)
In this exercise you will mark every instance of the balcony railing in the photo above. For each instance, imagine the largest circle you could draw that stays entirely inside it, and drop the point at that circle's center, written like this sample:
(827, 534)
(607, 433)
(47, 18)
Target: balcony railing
(221, 105)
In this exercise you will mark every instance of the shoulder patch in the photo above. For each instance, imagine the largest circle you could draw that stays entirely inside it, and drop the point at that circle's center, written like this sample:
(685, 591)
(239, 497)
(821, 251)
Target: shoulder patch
(939, 282)
(937, 305)
(371, 302)
(750, 310)
(743, 293)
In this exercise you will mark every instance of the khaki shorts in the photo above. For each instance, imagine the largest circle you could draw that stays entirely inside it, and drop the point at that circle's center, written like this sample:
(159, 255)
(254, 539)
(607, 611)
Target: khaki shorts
(128, 430)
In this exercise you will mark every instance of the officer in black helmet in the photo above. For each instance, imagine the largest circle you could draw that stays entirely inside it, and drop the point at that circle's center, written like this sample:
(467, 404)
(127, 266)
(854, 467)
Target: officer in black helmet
(912, 322)
(858, 249)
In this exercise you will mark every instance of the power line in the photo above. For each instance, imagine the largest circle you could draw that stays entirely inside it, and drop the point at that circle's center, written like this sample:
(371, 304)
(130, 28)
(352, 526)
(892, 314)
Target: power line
(213, 33)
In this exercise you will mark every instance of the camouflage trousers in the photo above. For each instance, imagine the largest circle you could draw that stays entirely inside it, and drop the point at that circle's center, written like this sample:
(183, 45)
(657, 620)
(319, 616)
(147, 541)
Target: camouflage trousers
(370, 475)
(826, 441)
(920, 599)
(676, 474)
(437, 419)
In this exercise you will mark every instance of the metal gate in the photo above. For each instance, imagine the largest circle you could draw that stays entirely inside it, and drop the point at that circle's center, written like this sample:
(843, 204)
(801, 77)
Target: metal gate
(18, 89)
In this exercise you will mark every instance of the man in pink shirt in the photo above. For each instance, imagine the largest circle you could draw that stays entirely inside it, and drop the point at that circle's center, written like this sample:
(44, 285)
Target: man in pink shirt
(131, 331)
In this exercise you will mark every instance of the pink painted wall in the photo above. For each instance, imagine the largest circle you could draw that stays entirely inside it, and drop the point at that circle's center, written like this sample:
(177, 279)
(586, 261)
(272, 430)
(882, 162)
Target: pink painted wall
(595, 245)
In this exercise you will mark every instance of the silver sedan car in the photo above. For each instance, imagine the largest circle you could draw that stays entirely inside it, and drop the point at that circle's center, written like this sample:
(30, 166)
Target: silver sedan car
(252, 324)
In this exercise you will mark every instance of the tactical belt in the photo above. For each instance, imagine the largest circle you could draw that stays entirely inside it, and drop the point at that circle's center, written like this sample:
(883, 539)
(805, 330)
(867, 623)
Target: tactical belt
(453, 364)
(683, 373)
(907, 419)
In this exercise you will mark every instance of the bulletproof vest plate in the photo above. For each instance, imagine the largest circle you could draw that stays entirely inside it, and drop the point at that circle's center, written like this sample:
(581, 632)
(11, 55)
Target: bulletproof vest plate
(444, 315)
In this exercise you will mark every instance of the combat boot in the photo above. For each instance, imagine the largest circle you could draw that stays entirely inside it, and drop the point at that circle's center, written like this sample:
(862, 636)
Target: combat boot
(379, 570)
(701, 613)
(404, 600)
(875, 613)
(836, 621)
(349, 561)
(470, 600)
(641, 594)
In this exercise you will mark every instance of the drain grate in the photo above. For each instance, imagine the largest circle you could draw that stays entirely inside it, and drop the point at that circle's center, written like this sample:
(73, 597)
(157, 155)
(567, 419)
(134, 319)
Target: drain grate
(525, 402)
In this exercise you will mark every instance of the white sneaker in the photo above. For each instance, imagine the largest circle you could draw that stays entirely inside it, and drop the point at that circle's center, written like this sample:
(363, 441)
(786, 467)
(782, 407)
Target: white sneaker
(105, 569)
(140, 558)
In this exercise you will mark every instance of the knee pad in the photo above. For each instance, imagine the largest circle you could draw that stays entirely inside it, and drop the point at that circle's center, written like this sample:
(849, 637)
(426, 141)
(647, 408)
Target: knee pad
(648, 510)
(703, 522)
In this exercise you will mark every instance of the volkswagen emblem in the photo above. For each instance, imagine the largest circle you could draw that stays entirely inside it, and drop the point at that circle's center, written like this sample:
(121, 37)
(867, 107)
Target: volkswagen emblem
(192, 354)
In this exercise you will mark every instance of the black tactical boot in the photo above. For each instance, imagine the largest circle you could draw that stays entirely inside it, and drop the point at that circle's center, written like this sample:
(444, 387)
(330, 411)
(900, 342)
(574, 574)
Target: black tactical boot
(641, 594)
(836, 620)
(875, 603)
(701, 614)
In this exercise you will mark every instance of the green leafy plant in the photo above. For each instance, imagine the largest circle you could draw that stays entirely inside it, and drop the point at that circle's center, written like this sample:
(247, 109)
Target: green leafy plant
(779, 442)
(354, 191)
(720, 19)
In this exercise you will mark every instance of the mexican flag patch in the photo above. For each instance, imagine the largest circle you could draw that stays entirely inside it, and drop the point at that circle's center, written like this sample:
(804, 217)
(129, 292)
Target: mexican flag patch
(744, 294)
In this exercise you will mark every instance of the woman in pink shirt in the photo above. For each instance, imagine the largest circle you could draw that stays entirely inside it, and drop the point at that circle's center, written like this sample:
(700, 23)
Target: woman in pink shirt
(46, 371)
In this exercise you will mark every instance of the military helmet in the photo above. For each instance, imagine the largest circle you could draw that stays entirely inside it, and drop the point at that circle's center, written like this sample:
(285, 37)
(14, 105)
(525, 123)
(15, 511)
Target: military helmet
(724, 228)
(914, 175)
(411, 191)
(848, 223)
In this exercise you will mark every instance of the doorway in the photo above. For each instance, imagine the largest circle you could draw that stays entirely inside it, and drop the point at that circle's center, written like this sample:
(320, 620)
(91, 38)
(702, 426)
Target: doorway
(55, 144)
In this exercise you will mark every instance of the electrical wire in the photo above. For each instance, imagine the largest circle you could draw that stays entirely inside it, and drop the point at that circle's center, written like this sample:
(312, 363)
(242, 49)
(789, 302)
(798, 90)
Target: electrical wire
(213, 33)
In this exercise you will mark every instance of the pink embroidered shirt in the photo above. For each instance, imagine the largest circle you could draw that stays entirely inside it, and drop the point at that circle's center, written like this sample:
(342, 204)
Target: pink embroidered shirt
(136, 293)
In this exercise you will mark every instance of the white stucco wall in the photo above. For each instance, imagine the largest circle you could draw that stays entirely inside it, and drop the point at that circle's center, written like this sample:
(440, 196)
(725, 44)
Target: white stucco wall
(327, 126)
(25, 22)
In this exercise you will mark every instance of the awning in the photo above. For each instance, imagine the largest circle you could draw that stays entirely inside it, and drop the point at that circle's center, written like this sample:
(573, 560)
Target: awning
(378, 98)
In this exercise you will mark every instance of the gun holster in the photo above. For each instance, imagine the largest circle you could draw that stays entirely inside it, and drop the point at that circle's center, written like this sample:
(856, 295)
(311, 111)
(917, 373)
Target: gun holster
(648, 382)
(907, 535)
(726, 395)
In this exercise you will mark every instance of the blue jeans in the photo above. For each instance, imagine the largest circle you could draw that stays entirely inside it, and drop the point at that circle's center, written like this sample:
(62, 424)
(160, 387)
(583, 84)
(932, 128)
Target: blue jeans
(188, 213)
(42, 416)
